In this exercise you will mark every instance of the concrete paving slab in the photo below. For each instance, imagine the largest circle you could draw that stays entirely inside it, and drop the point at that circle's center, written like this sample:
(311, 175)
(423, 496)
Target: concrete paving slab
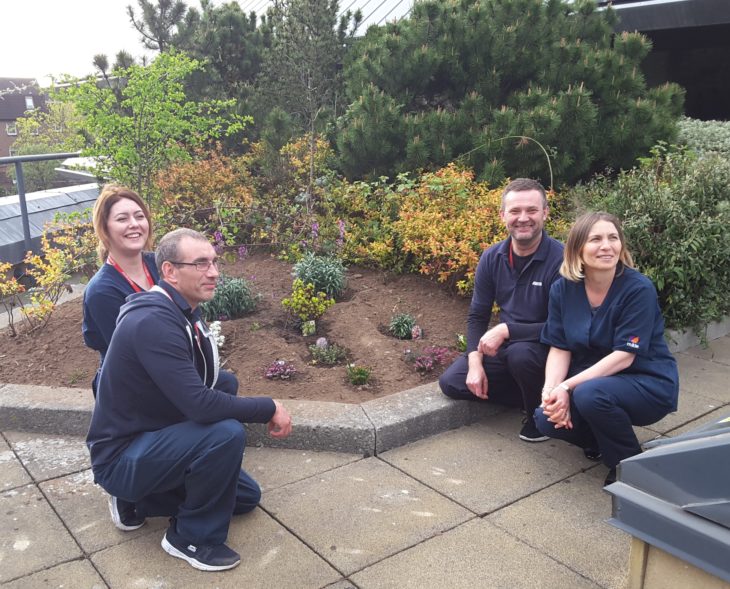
(717, 350)
(58, 410)
(480, 469)
(567, 522)
(475, 554)
(33, 537)
(344, 584)
(364, 512)
(78, 574)
(83, 508)
(419, 413)
(47, 457)
(270, 557)
(12, 473)
(707, 378)
(691, 407)
(275, 468)
(718, 413)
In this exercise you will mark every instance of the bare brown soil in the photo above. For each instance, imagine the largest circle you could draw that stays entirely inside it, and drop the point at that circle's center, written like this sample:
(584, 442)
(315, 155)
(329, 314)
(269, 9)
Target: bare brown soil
(57, 356)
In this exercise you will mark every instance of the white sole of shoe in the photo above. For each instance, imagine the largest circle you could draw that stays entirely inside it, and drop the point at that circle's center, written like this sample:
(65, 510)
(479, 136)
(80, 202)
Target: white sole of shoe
(117, 520)
(201, 566)
(542, 439)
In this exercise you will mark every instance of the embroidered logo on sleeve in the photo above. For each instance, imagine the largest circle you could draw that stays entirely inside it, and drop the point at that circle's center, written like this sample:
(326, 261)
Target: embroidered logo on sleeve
(633, 342)
(536, 283)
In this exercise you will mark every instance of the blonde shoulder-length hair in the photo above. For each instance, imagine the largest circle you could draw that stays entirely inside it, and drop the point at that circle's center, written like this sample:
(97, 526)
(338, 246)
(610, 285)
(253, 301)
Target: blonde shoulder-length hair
(572, 266)
(110, 195)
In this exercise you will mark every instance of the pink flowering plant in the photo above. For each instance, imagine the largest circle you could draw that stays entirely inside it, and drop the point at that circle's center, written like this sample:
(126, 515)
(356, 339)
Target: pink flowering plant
(280, 369)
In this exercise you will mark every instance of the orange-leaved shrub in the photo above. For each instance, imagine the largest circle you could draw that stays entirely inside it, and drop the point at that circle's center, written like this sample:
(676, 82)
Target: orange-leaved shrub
(209, 193)
(446, 220)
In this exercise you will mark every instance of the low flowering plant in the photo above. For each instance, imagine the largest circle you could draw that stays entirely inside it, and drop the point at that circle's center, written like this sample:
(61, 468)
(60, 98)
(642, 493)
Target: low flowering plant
(280, 369)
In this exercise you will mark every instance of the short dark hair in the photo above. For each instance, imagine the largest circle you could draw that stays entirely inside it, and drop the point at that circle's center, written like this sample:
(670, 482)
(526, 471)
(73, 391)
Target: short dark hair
(167, 248)
(522, 185)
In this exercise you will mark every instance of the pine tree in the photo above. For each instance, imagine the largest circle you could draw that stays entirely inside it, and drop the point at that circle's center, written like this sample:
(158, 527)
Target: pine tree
(496, 84)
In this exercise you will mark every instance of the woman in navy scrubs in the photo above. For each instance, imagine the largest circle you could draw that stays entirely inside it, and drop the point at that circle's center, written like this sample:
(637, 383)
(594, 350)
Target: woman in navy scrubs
(608, 367)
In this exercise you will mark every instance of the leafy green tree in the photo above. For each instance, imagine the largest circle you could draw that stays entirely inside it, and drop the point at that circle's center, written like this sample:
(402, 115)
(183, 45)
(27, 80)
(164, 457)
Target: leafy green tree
(57, 129)
(496, 84)
(146, 121)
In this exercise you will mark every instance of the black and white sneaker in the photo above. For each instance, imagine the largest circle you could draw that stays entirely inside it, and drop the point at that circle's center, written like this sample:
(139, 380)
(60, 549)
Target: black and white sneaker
(530, 433)
(124, 514)
(200, 556)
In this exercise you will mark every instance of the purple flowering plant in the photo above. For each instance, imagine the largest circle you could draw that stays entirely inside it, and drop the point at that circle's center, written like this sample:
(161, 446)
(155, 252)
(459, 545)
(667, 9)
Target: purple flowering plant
(280, 369)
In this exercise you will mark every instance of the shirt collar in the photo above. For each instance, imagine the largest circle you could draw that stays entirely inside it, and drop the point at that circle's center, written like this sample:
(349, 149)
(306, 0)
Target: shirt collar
(539, 254)
(177, 298)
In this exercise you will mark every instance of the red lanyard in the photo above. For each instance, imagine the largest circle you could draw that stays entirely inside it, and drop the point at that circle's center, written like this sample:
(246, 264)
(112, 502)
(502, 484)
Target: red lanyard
(511, 261)
(132, 283)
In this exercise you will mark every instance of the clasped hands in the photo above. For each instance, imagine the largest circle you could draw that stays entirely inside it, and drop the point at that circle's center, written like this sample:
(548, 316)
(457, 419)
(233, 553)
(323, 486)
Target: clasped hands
(556, 406)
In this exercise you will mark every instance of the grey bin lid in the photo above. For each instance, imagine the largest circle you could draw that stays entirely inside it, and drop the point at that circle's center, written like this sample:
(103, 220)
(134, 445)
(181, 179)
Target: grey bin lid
(676, 496)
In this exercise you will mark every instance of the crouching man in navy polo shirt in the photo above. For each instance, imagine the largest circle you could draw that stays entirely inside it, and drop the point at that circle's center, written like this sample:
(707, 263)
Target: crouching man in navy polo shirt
(506, 364)
(166, 436)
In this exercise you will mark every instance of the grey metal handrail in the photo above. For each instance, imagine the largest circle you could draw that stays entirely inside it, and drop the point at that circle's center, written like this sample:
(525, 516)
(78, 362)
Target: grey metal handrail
(20, 179)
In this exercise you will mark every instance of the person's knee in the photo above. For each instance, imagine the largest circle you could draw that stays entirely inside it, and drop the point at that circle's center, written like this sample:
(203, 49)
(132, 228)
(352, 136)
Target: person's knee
(542, 424)
(526, 357)
(230, 433)
(227, 383)
(453, 381)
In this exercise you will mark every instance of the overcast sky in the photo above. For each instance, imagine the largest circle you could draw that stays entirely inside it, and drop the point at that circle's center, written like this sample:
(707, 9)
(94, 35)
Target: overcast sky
(53, 37)
(42, 37)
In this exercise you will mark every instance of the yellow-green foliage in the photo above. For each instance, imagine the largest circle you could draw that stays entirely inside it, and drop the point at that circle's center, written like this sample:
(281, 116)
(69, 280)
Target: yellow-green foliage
(446, 221)
(305, 303)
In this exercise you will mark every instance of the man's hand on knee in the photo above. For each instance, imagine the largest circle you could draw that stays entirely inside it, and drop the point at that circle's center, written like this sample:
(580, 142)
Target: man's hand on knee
(476, 378)
(280, 424)
(491, 341)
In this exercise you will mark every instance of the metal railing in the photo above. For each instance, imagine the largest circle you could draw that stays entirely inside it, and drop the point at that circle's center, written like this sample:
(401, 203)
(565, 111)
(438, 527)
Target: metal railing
(18, 160)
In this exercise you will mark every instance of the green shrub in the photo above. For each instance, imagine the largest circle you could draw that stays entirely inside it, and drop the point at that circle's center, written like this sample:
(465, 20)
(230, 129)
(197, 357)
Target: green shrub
(304, 303)
(328, 354)
(233, 299)
(358, 375)
(675, 209)
(401, 325)
(705, 136)
(326, 273)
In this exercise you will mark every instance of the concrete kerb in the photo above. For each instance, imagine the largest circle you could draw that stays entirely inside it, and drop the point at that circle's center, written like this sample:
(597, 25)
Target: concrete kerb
(367, 429)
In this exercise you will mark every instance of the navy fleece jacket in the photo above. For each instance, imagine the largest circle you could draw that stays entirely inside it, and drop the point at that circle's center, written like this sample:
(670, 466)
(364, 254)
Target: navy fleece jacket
(149, 380)
(522, 297)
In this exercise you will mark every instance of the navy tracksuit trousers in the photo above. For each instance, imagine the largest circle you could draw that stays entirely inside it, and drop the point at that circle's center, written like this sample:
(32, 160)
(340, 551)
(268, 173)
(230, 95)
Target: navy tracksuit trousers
(514, 377)
(603, 411)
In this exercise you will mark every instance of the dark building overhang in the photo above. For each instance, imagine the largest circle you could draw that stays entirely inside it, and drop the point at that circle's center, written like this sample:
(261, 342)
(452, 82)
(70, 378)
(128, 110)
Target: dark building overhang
(657, 15)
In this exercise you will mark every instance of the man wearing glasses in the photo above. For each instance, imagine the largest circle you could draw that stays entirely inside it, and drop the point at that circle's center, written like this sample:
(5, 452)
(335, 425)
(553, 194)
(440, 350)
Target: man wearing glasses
(166, 437)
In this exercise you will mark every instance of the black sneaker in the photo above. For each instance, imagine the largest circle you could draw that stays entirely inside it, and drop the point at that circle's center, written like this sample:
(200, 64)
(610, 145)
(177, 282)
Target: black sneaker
(592, 453)
(610, 477)
(530, 433)
(124, 514)
(202, 557)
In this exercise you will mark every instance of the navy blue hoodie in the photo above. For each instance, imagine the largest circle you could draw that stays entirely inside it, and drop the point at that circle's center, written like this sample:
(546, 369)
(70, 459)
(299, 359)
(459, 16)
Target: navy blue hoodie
(149, 379)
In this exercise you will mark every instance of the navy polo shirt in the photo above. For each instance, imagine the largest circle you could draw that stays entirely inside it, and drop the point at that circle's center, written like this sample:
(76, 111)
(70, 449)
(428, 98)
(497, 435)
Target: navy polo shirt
(522, 297)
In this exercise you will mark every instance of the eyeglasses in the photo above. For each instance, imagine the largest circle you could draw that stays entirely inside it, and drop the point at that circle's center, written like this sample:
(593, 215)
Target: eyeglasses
(201, 266)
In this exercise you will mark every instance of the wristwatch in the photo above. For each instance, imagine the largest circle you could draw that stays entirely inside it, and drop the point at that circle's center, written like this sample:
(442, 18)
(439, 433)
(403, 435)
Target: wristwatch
(566, 388)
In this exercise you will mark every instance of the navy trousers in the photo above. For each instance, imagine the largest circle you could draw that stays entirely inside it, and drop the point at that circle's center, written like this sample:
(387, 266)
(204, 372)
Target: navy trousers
(189, 470)
(603, 411)
(515, 376)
